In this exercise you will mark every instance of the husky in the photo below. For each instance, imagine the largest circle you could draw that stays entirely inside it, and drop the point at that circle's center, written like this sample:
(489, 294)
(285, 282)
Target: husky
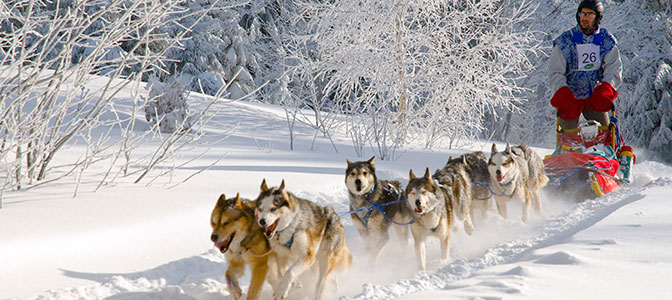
(365, 190)
(454, 179)
(517, 173)
(476, 166)
(236, 234)
(432, 214)
(302, 234)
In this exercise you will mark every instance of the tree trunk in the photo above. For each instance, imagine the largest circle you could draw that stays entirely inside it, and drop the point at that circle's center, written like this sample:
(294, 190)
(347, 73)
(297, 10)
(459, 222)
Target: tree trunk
(403, 98)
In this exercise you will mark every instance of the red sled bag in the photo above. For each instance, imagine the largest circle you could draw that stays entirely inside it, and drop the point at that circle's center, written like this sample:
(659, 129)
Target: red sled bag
(583, 168)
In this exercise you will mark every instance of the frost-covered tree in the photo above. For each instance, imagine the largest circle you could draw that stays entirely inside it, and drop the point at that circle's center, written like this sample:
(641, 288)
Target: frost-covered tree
(645, 31)
(49, 98)
(399, 69)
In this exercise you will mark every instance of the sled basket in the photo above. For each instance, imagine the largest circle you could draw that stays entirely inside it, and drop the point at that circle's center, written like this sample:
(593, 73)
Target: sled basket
(582, 176)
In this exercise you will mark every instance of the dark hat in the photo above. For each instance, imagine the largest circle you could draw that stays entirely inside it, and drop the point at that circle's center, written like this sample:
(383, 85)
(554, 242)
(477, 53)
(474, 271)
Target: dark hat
(594, 5)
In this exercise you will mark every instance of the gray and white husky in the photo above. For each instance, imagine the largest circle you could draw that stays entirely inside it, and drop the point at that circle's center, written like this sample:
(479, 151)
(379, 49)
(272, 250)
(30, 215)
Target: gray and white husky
(454, 179)
(475, 164)
(302, 234)
(517, 173)
(365, 189)
(432, 214)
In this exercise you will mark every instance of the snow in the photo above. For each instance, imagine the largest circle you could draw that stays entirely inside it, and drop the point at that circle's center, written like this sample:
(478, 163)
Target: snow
(138, 241)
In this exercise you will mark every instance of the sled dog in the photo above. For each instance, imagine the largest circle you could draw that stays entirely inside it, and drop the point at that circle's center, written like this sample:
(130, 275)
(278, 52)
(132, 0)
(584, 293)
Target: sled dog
(476, 166)
(302, 234)
(432, 214)
(454, 179)
(236, 234)
(517, 173)
(365, 190)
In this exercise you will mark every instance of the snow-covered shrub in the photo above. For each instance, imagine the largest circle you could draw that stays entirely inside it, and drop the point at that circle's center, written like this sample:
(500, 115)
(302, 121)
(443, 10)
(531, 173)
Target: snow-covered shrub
(215, 53)
(167, 105)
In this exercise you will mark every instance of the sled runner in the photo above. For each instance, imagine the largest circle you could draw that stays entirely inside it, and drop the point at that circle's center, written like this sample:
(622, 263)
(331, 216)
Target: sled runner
(589, 161)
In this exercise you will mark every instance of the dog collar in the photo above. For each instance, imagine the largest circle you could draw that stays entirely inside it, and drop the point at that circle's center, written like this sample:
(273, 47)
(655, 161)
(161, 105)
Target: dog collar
(366, 196)
(288, 243)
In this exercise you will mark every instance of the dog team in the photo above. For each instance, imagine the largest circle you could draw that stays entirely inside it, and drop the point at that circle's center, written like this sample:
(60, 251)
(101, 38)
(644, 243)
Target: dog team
(280, 236)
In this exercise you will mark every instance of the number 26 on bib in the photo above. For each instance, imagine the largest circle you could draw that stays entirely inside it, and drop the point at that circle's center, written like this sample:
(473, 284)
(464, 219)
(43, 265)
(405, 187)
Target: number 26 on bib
(589, 57)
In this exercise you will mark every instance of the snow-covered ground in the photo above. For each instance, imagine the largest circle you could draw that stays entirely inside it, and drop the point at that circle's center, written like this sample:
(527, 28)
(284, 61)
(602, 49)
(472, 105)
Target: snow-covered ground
(133, 241)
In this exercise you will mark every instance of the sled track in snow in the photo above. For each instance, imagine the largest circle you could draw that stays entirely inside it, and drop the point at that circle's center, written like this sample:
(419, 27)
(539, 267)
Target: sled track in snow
(553, 231)
(202, 276)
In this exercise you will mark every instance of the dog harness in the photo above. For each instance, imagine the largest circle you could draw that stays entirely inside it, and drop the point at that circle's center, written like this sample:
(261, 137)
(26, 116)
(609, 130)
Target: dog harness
(378, 207)
(487, 186)
(288, 243)
(365, 218)
(504, 185)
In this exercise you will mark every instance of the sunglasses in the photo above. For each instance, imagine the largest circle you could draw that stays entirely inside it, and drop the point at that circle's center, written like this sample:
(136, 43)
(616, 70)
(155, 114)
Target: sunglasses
(586, 14)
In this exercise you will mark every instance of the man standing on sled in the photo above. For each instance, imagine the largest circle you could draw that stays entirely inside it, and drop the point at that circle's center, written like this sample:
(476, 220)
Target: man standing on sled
(585, 69)
(584, 72)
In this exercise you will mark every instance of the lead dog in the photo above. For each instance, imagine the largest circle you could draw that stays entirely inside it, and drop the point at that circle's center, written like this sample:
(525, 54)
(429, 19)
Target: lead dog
(517, 173)
(236, 234)
(365, 190)
(432, 214)
(302, 234)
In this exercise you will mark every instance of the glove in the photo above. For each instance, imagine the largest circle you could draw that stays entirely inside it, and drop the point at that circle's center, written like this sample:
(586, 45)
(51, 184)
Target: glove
(568, 106)
(603, 97)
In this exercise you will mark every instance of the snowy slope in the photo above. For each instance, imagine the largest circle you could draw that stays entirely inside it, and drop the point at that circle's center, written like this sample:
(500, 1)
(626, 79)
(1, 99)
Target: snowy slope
(152, 242)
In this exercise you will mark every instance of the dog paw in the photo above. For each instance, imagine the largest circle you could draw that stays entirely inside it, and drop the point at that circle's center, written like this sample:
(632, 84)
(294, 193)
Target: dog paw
(468, 227)
(282, 291)
(236, 292)
(234, 288)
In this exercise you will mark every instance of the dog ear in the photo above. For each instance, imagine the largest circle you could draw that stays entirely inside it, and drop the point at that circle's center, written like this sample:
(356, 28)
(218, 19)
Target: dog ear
(411, 176)
(285, 196)
(427, 174)
(221, 200)
(372, 163)
(348, 161)
(238, 203)
(494, 148)
(264, 187)
(508, 149)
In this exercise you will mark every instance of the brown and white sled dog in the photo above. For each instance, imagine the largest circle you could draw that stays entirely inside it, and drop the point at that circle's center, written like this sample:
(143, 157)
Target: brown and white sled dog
(476, 166)
(454, 179)
(517, 173)
(432, 214)
(366, 190)
(302, 234)
(236, 234)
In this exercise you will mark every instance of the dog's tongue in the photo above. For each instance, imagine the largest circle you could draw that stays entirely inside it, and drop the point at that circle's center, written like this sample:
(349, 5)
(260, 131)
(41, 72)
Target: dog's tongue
(500, 178)
(270, 230)
(418, 210)
(223, 245)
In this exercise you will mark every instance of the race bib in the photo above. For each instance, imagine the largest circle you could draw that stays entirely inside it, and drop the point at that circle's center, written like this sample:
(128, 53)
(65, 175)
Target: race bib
(589, 57)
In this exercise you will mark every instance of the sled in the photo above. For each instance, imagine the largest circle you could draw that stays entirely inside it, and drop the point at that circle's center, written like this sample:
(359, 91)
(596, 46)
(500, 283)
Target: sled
(579, 169)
